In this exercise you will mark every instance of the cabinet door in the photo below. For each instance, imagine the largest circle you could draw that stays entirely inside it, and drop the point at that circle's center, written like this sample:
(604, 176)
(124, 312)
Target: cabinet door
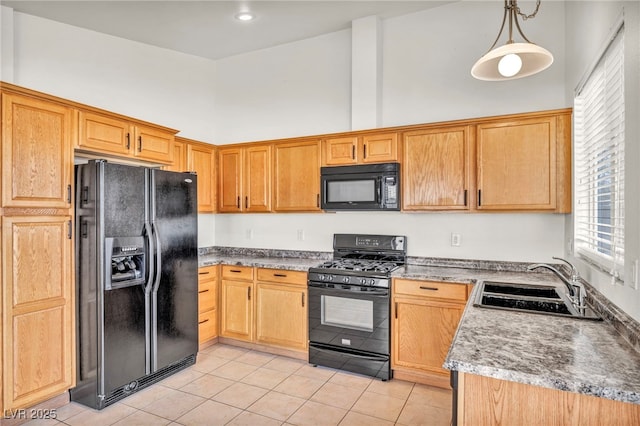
(422, 333)
(38, 319)
(230, 180)
(153, 144)
(340, 151)
(517, 164)
(281, 315)
(435, 169)
(104, 134)
(207, 303)
(379, 148)
(37, 153)
(236, 312)
(179, 159)
(200, 159)
(297, 176)
(257, 179)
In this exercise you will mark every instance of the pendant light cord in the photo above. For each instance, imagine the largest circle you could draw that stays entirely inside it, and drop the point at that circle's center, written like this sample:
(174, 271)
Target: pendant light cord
(513, 10)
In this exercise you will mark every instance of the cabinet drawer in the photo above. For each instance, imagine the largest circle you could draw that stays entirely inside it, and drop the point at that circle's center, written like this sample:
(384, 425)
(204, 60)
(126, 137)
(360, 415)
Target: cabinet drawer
(282, 276)
(207, 295)
(431, 289)
(237, 272)
(207, 325)
(207, 273)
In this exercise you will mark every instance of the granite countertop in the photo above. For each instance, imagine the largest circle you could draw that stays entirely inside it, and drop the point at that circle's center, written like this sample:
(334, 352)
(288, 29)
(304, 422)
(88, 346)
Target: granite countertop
(583, 356)
(588, 357)
(290, 263)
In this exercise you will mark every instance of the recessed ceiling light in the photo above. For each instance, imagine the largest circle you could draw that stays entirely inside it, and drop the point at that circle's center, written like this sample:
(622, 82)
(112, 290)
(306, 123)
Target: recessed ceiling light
(245, 16)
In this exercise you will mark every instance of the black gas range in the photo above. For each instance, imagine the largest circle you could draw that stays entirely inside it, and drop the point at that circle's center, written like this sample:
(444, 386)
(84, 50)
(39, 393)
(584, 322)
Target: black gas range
(350, 304)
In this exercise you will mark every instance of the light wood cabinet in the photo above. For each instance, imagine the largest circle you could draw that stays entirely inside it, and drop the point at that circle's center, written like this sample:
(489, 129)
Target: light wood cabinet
(179, 163)
(424, 320)
(37, 159)
(236, 299)
(207, 303)
(110, 134)
(245, 179)
(281, 308)
(296, 182)
(524, 164)
(488, 401)
(38, 330)
(201, 159)
(360, 149)
(265, 307)
(37, 292)
(435, 169)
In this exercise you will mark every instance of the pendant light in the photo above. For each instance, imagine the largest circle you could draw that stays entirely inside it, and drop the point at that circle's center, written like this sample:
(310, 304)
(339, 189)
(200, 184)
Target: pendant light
(512, 60)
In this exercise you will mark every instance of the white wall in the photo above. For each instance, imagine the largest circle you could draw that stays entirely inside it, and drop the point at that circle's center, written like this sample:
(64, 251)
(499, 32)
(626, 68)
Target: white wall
(134, 79)
(427, 57)
(584, 44)
(291, 90)
(513, 237)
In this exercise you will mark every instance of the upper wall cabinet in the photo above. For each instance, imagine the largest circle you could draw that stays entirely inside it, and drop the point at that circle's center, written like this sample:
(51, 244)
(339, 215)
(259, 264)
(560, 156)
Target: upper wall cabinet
(296, 180)
(524, 164)
(114, 135)
(435, 169)
(360, 149)
(201, 159)
(37, 136)
(179, 163)
(245, 179)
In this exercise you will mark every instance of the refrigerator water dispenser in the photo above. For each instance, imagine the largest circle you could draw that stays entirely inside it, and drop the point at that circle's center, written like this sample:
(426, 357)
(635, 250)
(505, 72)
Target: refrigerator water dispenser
(125, 262)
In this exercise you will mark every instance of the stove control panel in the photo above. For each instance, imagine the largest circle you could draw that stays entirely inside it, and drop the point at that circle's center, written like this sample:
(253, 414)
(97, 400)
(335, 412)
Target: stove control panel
(348, 279)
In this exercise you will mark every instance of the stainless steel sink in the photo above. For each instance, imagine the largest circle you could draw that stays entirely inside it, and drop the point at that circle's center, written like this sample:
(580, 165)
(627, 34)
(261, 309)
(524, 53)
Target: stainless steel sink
(533, 298)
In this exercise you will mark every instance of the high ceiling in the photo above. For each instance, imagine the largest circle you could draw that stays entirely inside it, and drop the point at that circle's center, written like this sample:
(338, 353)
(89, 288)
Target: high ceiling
(208, 28)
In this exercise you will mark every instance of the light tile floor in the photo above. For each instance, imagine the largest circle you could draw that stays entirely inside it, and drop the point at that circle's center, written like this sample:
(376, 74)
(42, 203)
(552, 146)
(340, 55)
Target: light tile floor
(236, 386)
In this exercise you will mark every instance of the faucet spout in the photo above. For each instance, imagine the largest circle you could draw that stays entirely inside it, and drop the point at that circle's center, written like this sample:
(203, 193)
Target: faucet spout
(574, 287)
(566, 282)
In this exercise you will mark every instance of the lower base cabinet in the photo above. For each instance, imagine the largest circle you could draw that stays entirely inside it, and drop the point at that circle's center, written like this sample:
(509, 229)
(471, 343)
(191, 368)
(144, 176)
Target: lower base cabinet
(425, 316)
(281, 308)
(207, 303)
(269, 310)
(489, 401)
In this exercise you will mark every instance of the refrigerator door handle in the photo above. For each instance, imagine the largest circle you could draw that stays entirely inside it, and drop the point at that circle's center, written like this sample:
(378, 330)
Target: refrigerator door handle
(158, 254)
(150, 280)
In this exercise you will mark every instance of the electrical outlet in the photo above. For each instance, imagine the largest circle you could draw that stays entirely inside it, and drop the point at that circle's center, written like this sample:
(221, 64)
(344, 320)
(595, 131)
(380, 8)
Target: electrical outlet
(634, 274)
(456, 240)
(249, 234)
(300, 234)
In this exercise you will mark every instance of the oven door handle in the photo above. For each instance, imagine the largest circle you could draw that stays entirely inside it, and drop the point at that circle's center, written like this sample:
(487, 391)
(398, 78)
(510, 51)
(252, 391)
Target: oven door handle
(333, 351)
(378, 293)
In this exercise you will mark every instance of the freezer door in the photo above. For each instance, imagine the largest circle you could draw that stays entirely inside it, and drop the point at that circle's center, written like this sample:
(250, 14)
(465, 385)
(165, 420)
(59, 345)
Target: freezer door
(175, 292)
(124, 204)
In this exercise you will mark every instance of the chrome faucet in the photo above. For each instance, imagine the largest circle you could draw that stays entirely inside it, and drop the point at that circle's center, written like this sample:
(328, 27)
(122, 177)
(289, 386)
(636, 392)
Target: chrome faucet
(574, 286)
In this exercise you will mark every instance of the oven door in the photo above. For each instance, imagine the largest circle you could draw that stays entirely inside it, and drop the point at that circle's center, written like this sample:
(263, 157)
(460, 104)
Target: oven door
(350, 317)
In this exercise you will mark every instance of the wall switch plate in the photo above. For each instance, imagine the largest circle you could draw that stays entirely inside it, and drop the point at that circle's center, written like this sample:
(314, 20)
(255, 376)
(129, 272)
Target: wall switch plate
(249, 234)
(456, 240)
(634, 274)
(300, 233)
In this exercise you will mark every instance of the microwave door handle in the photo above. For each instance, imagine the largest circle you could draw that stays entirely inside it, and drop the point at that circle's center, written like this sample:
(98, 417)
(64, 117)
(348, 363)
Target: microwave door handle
(378, 190)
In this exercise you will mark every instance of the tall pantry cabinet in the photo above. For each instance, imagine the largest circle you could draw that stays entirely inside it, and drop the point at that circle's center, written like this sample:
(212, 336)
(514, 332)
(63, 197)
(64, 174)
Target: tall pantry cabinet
(37, 293)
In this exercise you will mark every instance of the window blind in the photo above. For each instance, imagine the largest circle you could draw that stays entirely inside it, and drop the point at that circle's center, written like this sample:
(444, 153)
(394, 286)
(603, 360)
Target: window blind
(599, 162)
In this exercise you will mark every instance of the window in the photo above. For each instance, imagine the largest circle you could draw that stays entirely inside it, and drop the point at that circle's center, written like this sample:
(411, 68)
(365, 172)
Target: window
(599, 162)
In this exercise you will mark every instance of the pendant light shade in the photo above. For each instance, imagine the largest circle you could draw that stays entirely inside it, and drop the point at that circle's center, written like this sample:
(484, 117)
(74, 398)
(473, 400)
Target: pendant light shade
(512, 60)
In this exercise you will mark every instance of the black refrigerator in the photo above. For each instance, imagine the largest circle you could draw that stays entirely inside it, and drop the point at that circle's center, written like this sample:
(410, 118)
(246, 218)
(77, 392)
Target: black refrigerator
(136, 278)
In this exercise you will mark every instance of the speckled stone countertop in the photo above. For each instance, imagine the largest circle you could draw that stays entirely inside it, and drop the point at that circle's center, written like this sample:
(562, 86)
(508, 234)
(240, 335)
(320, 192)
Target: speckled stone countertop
(588, 357)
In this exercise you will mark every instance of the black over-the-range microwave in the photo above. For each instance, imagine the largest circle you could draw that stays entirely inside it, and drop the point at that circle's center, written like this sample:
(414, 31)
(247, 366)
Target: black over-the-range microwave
(364, 187)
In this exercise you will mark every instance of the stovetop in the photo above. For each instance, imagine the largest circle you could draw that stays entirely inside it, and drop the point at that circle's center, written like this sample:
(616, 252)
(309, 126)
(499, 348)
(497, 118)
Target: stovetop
(359, 265)
(362, 260)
